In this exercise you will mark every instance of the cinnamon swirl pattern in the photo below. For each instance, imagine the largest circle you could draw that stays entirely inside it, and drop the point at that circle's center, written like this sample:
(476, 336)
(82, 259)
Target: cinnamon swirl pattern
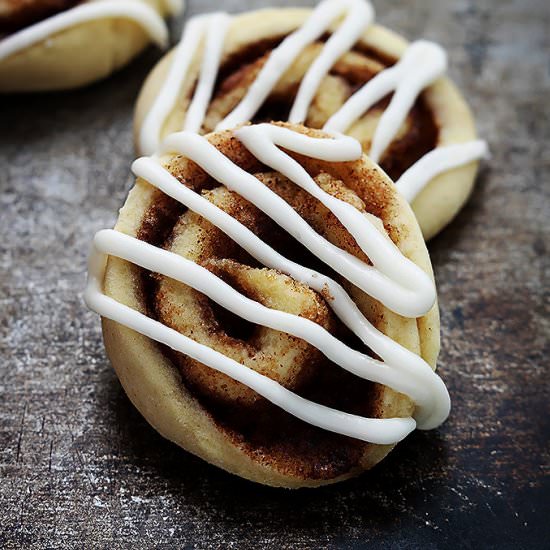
(310, 67)
(51, 45)
(191, 263)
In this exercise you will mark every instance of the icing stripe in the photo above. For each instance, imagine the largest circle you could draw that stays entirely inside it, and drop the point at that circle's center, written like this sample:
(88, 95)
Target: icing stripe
(340, 302)
(381, 431)
(385, 281)
(360, 14)
(282, 57)
(408, 373)
(142, 14)
(421, 64)
(216, 28)
(393, 279)
(149, 136)
(412, 383)
(436, 162)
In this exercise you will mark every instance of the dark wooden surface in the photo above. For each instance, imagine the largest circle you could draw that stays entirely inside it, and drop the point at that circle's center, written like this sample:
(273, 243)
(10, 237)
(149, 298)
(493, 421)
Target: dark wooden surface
(80, 468)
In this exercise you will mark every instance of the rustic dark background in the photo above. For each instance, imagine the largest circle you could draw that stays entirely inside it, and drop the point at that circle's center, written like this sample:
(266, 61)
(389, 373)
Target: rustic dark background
(80, 468)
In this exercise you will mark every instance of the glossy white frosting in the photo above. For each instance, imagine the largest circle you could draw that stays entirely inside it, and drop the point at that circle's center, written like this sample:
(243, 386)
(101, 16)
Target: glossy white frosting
(421, 64)
(438, 161)
(392, 279)
(193, 33)
(139, 12)
(359, 16)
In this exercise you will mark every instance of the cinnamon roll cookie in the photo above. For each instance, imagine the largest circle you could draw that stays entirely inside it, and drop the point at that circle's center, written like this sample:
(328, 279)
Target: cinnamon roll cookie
(62, 44)
(268, 304)
(329, 68)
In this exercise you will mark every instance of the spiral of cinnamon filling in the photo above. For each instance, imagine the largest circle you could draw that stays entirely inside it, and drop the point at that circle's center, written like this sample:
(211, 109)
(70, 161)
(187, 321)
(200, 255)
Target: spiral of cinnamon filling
(240, 67)
(265, 432)
(417, 136)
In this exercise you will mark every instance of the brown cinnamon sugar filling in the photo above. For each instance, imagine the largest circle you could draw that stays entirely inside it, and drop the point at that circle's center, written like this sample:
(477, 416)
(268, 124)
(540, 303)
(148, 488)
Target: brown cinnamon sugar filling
(18, 14)
(349, 74)
(263, 430)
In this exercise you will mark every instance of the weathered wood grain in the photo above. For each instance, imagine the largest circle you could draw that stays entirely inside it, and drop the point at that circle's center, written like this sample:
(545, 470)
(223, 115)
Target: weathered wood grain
(80, 468)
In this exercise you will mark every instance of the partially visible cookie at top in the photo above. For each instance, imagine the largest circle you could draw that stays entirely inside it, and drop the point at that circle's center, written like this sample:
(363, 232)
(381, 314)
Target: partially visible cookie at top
(329, 68)
(61, 44)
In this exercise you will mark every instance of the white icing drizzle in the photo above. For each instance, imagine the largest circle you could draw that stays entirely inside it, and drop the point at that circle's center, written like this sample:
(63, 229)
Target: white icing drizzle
(421, 64)
(360, 15)
(400, 369)
(215, 34)
(392, 279)
(215, 27)
(142, 14)
(436, 162)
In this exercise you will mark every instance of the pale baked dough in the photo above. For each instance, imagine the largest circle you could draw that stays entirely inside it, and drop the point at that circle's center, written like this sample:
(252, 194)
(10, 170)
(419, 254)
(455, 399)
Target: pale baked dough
(438, 203)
